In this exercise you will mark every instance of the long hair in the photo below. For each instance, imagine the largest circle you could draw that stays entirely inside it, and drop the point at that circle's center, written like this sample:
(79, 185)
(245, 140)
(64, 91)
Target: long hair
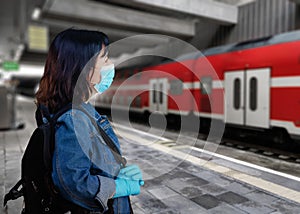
(71, 53)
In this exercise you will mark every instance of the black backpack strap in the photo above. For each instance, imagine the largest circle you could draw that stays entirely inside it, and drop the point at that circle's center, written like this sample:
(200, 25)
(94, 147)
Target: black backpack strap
(14, 192)
(115, 151)
(41, 112)
(111, 144)
(49, 142)
(61, 112)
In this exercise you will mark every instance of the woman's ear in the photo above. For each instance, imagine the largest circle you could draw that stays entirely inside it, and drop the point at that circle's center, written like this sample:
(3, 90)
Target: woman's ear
(90, 74)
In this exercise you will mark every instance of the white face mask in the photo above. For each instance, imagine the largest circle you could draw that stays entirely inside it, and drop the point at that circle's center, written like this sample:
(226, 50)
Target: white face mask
(107, 74)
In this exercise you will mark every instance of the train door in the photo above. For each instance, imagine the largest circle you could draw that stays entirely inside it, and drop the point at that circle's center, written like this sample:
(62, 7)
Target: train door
(247, 97)
(258, 97)
(158, 95)
(234, 99)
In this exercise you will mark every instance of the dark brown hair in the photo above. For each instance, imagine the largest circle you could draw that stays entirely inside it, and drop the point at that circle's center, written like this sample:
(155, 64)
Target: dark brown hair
(71, 54)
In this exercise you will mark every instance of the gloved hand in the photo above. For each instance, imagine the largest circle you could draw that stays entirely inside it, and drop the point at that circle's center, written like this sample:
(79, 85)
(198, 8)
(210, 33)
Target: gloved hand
(133, 172)
(126, 186)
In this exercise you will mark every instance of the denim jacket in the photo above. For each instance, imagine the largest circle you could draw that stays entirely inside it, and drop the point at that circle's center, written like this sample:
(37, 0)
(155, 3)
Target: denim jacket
(84, 168)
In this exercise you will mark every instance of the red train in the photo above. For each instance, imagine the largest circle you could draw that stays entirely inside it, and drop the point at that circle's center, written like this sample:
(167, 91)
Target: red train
(253, 84)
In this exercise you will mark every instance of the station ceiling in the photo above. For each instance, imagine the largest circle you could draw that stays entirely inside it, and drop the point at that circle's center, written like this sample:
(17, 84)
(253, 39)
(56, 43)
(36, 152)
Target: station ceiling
(119, 19)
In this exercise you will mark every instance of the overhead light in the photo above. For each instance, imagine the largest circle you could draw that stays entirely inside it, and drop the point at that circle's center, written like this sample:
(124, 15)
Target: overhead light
(38, 37)
(36, 13)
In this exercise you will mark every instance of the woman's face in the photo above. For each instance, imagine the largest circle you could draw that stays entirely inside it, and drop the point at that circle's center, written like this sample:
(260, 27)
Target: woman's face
(101, 60)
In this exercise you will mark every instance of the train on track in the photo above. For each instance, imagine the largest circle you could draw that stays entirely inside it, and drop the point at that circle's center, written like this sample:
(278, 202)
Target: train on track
(252, 85)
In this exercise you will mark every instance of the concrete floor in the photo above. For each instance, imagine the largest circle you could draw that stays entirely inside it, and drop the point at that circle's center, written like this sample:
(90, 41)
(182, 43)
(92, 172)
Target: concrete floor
(173, 184)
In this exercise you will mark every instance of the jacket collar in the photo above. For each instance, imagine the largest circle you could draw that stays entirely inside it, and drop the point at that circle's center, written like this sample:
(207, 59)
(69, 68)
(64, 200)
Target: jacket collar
(91, 110)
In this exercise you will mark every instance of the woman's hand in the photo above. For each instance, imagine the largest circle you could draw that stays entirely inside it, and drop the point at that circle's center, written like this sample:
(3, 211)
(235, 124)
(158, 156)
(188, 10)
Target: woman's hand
(133, 172)
(128, 181)
(126, 187)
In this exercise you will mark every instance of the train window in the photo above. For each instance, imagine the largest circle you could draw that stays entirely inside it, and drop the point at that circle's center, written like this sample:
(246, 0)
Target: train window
(176, 87)
(251, 43)
(206, 85)
(253, 93)
(154, 93)
(161, 93)
(237, 94)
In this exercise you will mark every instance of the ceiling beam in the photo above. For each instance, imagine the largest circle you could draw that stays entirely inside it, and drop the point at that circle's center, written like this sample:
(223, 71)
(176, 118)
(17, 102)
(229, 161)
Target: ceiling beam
(112, 16)
(222, 13)
(114, 35)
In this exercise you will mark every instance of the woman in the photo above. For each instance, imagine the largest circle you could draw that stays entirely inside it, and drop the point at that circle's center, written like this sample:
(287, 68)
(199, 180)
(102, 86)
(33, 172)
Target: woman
(85, 170)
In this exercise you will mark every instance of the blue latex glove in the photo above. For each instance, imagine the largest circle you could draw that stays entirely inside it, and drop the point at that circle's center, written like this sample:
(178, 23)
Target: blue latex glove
(133, 172)
(126, 187)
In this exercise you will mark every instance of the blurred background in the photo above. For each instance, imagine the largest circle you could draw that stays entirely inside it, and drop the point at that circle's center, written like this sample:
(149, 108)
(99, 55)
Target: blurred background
(234, 35)
(235, 103)
(28, 26)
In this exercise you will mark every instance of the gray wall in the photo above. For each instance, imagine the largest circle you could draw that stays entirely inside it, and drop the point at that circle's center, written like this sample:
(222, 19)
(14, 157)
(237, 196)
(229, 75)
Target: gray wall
(259, 19)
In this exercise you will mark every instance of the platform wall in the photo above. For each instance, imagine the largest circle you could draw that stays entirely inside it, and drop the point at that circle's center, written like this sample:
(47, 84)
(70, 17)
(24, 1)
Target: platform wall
(259, 19)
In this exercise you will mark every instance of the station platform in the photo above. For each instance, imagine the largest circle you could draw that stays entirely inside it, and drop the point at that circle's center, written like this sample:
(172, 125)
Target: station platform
(178, 177)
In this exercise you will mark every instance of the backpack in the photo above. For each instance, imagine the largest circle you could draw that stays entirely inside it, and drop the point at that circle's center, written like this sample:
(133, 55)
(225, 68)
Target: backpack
(35, 185)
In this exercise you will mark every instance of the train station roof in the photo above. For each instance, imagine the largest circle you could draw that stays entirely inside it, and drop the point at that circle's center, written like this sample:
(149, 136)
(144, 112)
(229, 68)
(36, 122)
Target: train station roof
(118, 19)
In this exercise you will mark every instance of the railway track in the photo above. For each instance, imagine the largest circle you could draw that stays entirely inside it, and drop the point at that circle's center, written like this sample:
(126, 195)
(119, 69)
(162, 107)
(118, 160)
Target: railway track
(289, 156)
(290, 151)
(252, 141)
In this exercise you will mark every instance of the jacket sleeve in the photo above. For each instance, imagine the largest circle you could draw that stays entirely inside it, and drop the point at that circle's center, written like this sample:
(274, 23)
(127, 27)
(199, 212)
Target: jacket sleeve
(72, 164)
